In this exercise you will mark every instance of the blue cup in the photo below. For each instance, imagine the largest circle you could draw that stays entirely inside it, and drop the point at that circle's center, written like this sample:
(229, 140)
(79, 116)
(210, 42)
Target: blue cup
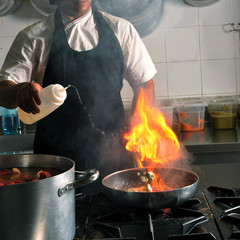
(9, 121)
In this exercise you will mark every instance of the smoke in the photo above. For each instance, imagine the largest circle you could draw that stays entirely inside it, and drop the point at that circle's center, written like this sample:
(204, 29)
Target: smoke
(185, 159)
(113, 155)
(177, 178)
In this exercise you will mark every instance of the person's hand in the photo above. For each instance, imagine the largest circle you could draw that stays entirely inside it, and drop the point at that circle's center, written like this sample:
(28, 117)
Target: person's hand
(27, 97)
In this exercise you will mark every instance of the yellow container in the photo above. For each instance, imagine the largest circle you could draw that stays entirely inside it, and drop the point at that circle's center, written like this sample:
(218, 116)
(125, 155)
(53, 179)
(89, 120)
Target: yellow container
(223, 111)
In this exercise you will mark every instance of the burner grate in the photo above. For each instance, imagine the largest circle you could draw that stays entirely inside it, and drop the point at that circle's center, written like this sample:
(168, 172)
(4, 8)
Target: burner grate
(188, 226)
(201, 236)
(223, 191)
(160, 224)
(225, 206)
(235, 235)
(191, 220)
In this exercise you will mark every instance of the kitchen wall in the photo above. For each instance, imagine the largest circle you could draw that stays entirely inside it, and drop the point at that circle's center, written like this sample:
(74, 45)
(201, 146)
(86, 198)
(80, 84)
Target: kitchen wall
(194, 51)
(193, 48)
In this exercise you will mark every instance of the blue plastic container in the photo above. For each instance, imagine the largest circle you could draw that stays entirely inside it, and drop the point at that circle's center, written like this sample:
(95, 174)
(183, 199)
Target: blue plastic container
(9, 121)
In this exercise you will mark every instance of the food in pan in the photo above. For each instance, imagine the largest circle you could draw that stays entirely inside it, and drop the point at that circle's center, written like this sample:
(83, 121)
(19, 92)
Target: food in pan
(149, 182)
(144, 185)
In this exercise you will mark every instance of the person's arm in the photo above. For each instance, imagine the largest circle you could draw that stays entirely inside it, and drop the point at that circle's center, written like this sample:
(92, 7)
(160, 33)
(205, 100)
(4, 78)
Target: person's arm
(23, 95)
(148, 88)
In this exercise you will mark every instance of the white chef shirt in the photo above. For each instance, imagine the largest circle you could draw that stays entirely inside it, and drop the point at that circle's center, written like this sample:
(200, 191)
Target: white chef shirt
(27, 58)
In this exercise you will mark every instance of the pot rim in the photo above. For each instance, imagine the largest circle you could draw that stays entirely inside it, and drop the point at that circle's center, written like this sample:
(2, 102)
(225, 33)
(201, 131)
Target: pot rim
(60, 163)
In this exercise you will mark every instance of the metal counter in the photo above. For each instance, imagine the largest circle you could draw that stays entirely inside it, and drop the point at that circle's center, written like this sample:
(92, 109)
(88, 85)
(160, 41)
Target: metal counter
(16, 144)
(207, 147)
(212, 146)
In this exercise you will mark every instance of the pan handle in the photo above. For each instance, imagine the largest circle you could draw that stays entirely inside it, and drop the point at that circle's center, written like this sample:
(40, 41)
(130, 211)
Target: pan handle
(81, 178)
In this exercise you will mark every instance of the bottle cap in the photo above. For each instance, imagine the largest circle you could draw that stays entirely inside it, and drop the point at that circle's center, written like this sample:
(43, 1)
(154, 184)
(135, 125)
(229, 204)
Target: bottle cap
(58, 93)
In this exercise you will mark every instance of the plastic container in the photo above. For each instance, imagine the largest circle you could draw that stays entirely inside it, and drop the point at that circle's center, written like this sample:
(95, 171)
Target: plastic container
(9, 121)
(191, 113)
(223, 111)
(52, 97)
(165, 105)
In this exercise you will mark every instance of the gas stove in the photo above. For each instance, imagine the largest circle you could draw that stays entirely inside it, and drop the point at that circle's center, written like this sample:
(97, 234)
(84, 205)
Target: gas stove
(212, 213)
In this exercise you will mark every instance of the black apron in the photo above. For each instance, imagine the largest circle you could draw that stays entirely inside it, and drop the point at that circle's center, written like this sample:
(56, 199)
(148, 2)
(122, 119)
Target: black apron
(97, 75)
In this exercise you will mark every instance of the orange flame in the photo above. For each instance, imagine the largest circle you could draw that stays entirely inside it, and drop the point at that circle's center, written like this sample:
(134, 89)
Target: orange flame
(150, 138)
(159, 185)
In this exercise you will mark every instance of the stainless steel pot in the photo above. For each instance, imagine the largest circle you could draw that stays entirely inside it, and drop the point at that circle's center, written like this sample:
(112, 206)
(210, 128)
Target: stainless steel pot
(200, 3)
(7, 7)
(116, 183)
(44, 209)
(43, 7)
(144, 15)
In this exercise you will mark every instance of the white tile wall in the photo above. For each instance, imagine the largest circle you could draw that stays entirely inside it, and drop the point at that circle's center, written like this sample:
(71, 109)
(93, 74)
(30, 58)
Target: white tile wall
(218, 76)
(5, 43)
(216, 14)
(11, 24)
(184, 78)
(238, 74)
(160, 80)
(182, 44)
(157, 42)
(236, 10)
(215, 44)
(192, 48)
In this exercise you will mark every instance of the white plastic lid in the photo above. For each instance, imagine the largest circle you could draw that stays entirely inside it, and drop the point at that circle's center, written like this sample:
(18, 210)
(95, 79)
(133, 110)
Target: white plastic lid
(58, 93)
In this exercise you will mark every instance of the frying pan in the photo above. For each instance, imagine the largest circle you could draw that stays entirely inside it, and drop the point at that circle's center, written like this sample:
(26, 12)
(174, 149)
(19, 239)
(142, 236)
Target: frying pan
(183, 182)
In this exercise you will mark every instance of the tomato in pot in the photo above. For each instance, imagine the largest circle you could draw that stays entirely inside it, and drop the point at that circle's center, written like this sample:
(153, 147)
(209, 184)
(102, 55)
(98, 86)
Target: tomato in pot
(10, 176)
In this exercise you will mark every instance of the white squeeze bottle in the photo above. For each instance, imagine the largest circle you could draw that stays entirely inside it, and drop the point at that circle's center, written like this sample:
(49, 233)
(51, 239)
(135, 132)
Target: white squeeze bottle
(52, 97)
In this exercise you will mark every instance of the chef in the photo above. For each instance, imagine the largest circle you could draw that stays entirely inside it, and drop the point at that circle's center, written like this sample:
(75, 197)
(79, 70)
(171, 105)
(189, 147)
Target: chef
(92, 51)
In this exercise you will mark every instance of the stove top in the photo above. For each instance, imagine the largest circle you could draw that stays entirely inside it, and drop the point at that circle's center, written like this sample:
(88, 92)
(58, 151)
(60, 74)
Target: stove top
(213, 213)
(225, 206)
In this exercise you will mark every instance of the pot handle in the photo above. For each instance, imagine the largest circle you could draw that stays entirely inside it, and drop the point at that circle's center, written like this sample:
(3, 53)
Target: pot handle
(81, 178)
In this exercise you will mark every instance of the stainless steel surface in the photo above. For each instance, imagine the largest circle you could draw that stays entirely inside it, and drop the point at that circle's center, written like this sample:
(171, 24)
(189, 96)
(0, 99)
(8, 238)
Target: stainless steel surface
(224, 175)
(43, 7)
(212, 146)
(208, 146)
(12, 144)
(210, 136)
(145, 15)
(9, 6)
(114, 184)
(81, 178)
(34, 210)
(201, 3)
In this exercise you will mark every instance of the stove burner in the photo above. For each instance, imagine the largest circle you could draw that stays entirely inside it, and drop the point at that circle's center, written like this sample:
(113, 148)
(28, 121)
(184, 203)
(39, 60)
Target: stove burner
(231, 205)
(107, 220)
(235, 235)
(228, 201)
(109, 230)
(225, 205)
(222, 191)
(203, 236)
(188, 226)
(182, 220)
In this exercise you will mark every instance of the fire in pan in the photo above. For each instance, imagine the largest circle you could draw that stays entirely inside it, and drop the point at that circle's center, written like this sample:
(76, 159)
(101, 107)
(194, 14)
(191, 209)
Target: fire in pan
(151, 188)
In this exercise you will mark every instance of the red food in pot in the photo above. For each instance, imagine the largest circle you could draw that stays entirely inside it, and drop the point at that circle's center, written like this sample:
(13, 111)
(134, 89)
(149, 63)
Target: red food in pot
(10, 176)
(43, 174)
